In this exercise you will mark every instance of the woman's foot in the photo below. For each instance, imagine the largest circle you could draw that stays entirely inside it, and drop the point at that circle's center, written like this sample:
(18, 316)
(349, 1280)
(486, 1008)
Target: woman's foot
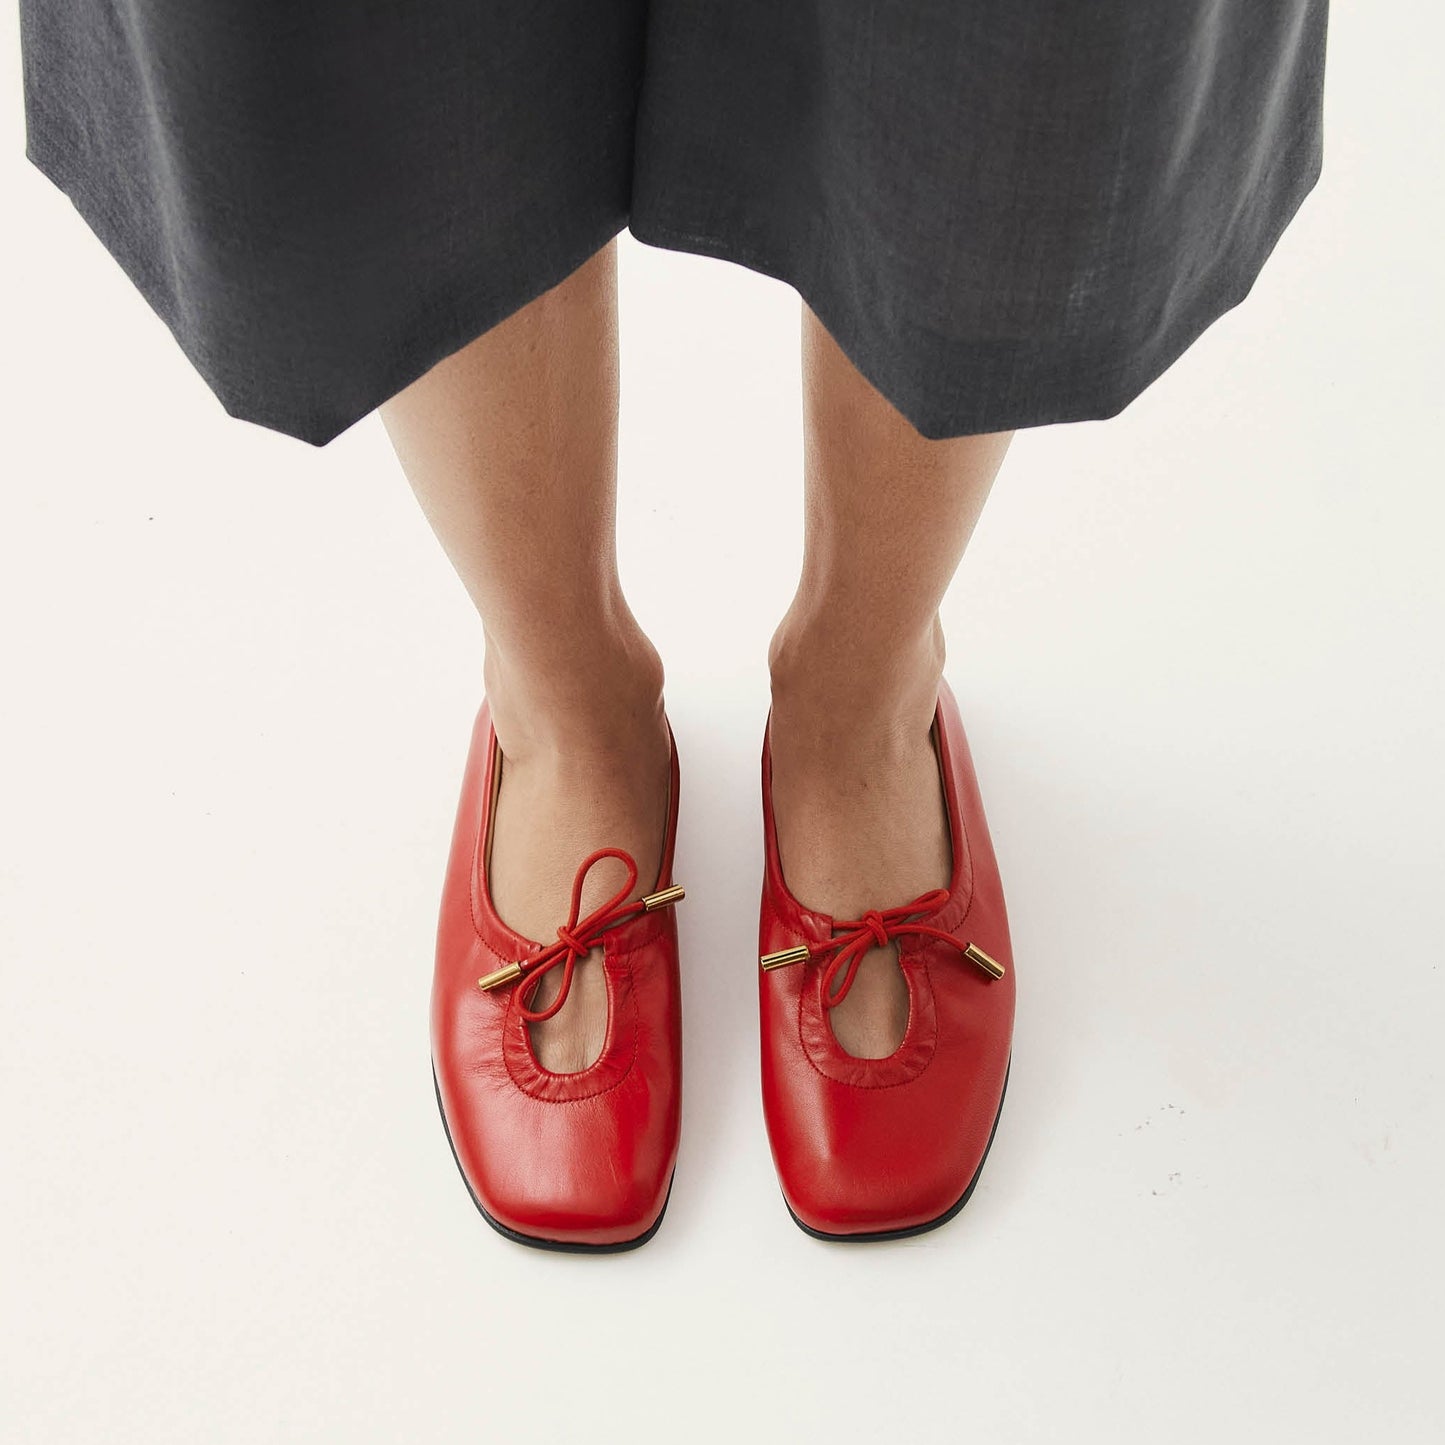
(576, 1160)
(858, 801)
(582, 768)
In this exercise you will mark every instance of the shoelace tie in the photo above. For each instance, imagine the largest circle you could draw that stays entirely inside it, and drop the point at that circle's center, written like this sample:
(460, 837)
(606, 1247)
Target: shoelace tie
(877, 928)
(578, 936)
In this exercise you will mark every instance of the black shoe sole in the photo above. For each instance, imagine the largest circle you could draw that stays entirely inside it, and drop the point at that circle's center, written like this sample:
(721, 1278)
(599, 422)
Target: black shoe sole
(536, 1241)
(880, 1235)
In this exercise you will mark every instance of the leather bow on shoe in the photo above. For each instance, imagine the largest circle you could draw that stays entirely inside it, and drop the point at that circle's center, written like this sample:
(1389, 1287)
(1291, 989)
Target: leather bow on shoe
(876, 929)
(576, 938)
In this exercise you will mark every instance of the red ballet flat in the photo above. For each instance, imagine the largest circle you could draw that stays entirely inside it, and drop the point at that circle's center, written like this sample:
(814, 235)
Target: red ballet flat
(872, 1149)
(572, 1161)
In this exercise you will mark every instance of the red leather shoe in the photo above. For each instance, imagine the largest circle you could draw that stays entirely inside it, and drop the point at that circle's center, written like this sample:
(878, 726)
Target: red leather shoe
(870, 1149)
(575, 1161)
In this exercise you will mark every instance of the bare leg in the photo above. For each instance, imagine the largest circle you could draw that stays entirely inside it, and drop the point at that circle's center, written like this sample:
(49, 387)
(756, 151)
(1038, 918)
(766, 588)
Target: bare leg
(856, 661)
(511, 448)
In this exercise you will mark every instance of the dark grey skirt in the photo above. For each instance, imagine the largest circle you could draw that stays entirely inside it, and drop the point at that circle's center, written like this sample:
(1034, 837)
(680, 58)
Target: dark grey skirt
(1007, 212)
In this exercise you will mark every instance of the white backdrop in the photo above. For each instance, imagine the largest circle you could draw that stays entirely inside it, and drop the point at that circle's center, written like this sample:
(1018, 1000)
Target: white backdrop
(1198, 650)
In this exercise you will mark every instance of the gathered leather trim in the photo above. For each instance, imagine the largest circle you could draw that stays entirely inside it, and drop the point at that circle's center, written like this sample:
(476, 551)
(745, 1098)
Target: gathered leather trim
(619, 1047)
(914, 1052)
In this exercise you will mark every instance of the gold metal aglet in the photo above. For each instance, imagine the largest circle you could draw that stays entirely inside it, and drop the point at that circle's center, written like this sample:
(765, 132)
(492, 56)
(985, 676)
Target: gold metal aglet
(664, 896)
(508, 974)
(991, 966)
(798, 954)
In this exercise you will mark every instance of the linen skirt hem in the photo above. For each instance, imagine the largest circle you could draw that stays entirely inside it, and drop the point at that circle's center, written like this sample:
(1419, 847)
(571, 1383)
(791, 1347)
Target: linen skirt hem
(1007, 215)
(469, 315)
(982, 386)
(995, 387)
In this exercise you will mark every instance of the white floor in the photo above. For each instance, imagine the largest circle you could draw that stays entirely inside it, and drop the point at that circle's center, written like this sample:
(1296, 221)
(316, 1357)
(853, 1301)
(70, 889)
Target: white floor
(1198, 649)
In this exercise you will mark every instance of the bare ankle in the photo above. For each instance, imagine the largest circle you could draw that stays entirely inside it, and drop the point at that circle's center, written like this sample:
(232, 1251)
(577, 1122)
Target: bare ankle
(599, 702)
(832, 691)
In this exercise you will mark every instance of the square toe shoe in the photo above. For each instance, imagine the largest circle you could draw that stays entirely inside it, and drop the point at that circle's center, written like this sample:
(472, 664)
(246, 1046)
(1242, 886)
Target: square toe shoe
(574, 1161)
(869, 1149)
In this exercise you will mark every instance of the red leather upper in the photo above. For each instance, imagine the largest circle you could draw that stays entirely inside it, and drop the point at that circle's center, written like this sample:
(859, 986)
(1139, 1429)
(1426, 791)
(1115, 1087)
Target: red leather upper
(866, 1146)
(577, 1158)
